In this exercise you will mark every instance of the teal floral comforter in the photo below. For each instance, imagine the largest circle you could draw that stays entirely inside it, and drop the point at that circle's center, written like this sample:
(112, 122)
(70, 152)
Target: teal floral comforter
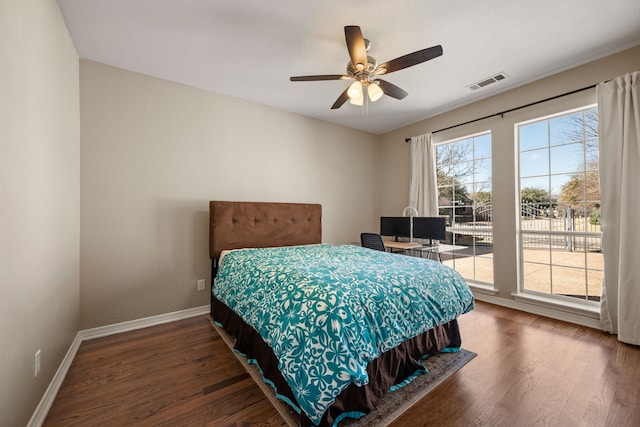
(327, 311)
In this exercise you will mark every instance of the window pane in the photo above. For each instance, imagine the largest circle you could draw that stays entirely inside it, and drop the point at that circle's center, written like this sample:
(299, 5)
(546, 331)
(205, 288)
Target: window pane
(446, 195)
(592, 153)
(463, 171)
(468, 186)
(537, 249)
(464, 266)
(540, 182)
(482, 193)
(594, 283)
(483, 215)
(463, 151)
(537, 277)
(534, 135)
(567, 158)
(591, 123)
(482, 147)
(534, 163)
(445, 211)
(484, 242)
(484, 269)
(567, 258)
(483, 187)
(443, 155)
(568, 187)
(534, 190)
(569, 281)
(482, 169)
(564, 129)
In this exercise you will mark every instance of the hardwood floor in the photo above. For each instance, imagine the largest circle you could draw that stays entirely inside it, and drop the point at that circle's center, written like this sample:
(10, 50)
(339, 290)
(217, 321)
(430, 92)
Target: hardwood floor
(177, 374)
(529, 371)
(535, 371)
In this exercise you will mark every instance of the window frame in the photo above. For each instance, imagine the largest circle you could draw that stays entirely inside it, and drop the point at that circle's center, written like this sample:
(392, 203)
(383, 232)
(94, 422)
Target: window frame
(474, 230)
(569, 234)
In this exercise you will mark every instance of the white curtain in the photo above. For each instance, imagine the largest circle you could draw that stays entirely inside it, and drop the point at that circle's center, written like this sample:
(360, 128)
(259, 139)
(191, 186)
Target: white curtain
(619, 134)
(423, 189)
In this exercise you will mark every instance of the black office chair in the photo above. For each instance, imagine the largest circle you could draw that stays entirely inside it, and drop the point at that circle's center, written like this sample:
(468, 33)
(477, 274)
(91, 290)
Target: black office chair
(372, 241)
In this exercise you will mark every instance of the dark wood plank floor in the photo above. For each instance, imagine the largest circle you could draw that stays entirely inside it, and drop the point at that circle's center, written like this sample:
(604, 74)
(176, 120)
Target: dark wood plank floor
(530, 371)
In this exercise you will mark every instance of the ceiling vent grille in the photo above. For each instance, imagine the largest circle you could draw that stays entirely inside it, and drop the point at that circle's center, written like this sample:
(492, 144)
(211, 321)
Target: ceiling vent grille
(486, 82)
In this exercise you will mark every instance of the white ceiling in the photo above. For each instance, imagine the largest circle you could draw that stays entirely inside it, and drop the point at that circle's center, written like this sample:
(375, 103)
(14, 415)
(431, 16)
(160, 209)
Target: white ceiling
(249, 48)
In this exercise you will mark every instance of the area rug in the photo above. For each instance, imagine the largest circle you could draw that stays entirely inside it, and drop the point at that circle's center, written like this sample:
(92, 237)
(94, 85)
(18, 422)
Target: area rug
(440, 367)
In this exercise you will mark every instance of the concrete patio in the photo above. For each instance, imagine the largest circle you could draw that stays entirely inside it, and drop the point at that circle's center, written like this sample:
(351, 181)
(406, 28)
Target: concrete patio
(567, 275)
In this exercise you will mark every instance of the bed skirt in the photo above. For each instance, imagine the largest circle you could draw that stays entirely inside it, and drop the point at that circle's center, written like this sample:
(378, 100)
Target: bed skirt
(391, 368)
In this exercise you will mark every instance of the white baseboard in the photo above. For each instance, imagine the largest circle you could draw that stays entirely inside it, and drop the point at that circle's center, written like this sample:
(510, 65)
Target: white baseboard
(145, 322)
(40, 414)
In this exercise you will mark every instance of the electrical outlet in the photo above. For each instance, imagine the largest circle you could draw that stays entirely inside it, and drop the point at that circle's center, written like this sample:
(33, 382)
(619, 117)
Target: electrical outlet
(201, 284)
(36, 363)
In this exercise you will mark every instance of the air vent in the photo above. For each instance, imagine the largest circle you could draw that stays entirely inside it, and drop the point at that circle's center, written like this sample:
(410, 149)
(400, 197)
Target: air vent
(486, 82)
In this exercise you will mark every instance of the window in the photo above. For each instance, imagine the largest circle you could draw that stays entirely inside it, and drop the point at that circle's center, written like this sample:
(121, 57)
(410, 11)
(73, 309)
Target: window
(464, 196)
(559, 236)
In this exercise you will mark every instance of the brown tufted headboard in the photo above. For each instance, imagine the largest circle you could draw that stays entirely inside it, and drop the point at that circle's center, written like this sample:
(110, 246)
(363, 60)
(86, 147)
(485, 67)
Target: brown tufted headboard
(236, 225)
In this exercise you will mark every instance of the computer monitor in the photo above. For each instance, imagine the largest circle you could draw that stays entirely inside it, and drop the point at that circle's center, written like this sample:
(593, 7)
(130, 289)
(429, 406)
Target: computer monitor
(396, 226)
(426, 227)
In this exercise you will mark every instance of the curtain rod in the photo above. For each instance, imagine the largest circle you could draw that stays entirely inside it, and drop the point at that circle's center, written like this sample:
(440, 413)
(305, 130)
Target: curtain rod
(502, 113)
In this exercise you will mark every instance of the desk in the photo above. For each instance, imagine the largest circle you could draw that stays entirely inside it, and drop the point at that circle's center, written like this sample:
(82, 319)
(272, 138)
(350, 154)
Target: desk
(437, 249)
(403, 246)
(421, 249)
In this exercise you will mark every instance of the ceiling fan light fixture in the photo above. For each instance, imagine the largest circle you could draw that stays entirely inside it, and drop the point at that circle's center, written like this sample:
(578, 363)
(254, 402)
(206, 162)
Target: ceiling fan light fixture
(355, 90)
(374, 91)
(357, 101)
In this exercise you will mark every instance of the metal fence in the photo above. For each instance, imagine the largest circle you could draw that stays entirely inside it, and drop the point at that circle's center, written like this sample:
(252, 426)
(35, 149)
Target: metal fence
(560, 227)
(543, 225)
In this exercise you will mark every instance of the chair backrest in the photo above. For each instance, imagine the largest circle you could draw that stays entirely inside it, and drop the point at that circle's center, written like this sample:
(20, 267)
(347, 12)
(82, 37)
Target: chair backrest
(372, 241)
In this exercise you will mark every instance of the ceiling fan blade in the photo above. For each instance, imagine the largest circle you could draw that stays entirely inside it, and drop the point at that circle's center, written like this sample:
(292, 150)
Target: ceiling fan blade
(409, 60)
(341, 99)
(319, 77)
(391, 89)
(355, 45)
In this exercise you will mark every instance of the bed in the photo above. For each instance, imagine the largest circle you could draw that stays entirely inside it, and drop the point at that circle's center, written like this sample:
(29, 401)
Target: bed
(299, 309)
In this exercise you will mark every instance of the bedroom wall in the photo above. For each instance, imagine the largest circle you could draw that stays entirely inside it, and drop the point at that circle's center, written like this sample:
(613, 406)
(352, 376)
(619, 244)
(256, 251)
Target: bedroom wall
(396, 153)
(155, 152)
(40, 201)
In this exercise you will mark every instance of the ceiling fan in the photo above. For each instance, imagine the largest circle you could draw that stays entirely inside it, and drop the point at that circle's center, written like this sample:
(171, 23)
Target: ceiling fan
(364, 70)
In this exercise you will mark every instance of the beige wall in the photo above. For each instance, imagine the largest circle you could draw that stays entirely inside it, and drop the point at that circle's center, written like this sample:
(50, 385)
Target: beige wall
(393, 182)
(155, 152)
(39, 201)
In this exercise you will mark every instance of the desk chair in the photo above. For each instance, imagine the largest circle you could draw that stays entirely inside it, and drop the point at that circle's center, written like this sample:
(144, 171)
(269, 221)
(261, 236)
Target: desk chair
(372, 241)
